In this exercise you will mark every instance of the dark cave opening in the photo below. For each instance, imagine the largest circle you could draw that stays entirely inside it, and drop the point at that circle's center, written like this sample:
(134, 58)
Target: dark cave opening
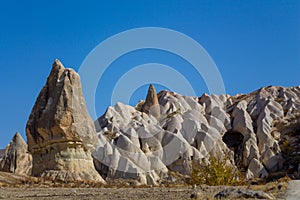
(234, 141)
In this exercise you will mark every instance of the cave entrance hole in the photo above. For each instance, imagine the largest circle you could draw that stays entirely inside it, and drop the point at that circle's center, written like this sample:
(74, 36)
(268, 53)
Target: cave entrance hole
(234, 141)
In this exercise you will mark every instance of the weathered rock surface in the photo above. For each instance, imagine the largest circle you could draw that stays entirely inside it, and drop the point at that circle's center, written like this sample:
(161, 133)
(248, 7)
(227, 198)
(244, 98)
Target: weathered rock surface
(256, 169)
(10, 180)
(259, 133)
(2, 153)
(60, 132)
(151, 105)
(248, 129)
(232, 193)
(16, 158)
(134, 144)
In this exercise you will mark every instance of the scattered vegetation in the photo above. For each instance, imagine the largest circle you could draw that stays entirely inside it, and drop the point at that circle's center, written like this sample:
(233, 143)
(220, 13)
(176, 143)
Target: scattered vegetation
(172, 114)
(216, 172)
(286, 147)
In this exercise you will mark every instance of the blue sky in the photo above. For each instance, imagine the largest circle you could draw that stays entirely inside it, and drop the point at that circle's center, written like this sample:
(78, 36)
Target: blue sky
(254, 44)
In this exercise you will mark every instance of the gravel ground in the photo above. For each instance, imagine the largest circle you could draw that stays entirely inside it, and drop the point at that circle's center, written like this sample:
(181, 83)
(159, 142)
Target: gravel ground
(95, 193)
(14, 186)
(154, 193)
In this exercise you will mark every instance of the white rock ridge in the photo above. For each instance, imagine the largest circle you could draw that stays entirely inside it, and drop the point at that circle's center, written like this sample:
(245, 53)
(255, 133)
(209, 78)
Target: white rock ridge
(134, 143)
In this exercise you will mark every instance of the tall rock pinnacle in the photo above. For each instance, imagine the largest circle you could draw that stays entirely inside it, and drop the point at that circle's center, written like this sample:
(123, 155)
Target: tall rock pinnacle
(17, 159)
(60, 132)
(151, 105)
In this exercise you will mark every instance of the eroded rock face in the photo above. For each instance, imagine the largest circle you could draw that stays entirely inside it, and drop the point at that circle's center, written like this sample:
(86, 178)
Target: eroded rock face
(136, 145)
(166, 132)
(121, 153)
(16, 158)
(266, 109)
(247, 129)
(60, 132)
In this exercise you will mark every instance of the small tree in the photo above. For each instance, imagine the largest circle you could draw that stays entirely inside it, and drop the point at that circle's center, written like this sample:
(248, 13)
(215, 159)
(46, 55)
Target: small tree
(216, 172)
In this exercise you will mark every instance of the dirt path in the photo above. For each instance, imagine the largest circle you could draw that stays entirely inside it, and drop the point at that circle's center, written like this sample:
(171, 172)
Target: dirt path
(293, 190)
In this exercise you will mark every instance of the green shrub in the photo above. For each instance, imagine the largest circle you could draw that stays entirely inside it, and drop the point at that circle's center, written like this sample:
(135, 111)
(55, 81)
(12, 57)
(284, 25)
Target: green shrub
(217, 172)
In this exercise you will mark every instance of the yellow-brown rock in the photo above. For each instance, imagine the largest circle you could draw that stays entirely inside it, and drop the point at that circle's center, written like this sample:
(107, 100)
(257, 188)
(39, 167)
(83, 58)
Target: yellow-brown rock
(151, 105)
(60, 133)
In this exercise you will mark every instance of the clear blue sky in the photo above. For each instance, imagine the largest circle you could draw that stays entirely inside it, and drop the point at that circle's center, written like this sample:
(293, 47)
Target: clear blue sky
(253, 43)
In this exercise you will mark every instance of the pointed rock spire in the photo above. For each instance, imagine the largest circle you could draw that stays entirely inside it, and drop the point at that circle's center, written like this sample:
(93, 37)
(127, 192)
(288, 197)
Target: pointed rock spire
(18, 140)
(16, 158)
(151, 105)
(152, 96)
(60, 132)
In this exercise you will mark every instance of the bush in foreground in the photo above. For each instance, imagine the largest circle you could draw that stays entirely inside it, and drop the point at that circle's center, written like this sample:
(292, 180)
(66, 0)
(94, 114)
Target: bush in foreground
(216, 172)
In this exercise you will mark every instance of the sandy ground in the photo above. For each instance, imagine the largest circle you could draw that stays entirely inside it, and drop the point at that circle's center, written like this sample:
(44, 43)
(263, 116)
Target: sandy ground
(172, 193)
(14, 186)
(293, 190)
(95, 193)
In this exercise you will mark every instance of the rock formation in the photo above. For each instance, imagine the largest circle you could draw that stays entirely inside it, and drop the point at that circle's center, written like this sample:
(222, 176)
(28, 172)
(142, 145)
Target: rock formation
(258, 133)
(123, 154)
(145, 148)
(16, 159)
(255, 131)
(2, 153)
(60, 132)
(151, 105)
(238, 193)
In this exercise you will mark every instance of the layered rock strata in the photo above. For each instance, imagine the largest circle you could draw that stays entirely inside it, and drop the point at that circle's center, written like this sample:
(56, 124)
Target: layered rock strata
(60, 132)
